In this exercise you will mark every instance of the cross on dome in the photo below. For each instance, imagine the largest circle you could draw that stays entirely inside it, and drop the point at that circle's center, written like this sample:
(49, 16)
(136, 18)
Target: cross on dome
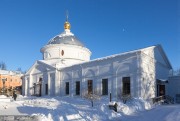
(67, 25)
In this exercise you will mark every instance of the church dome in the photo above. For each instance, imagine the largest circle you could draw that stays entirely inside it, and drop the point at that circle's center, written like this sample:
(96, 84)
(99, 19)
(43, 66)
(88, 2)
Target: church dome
(67, 47)
(68, 39)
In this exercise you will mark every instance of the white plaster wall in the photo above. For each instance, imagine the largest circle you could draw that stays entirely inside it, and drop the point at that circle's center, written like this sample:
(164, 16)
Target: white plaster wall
(148, 73)
(162, 71)
(125, 68)
(162, 68)
(52, 84)
(57, 82)
(66, 76)
(154, 66)
(159, 57)
(173, 86)
(114, 69)
(70, 52)
(142, 68)
(44, 82)
(26, 85)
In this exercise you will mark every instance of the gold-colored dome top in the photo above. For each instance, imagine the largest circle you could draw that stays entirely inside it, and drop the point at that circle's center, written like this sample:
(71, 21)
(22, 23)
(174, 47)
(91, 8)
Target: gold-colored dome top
(67, 25)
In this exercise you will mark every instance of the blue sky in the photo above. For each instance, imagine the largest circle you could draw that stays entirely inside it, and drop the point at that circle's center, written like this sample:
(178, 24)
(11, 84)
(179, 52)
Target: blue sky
(106, 27)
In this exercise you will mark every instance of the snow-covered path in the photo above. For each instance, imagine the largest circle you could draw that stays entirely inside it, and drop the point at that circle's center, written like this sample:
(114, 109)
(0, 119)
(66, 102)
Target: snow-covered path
(10, 108)
(160, 113)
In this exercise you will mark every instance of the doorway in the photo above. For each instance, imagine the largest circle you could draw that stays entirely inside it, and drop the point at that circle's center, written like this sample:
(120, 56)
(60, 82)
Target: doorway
(90, 86)
(161, 90)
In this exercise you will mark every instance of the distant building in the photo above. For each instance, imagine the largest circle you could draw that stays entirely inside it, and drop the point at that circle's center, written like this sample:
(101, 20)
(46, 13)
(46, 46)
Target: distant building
(174, 87)
(10, 81)
(66, 69)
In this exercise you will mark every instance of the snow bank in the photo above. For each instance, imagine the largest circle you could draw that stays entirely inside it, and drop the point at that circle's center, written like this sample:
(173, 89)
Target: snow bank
(3, 96)
(42, 102)
(134, 105)
(76, 108)
(69, 108)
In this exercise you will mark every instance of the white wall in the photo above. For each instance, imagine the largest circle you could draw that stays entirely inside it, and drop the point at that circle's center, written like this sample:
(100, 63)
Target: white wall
(154, 66)
(70, 52)
(173, 86)
(147, 77)
(143, 67)
(113, 69)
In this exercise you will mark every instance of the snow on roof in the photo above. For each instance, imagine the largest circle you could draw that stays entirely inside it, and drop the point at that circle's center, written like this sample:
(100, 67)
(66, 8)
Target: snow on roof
(6, 72)
(163, 80)
(107, 57)
(113, 56)
(53, 62)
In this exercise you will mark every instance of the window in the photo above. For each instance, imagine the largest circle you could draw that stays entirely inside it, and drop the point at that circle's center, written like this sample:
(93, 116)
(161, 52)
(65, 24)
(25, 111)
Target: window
(104, 86)
(77, 87)
(46, 86)
(67, 88)
(40, 79)
(90, 86)
(126, 85)
(46, 55)
(62, 52)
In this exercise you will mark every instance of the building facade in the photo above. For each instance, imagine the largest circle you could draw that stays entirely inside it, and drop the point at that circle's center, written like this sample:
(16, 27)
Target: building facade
(173, 87)
(10, 81)
(66, 69)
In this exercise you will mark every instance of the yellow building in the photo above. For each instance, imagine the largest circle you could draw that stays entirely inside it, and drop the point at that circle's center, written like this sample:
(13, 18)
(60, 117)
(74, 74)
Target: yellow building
(10, 81)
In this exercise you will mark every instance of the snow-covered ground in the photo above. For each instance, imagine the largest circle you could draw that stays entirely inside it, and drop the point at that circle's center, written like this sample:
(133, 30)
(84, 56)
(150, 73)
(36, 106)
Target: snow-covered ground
(79, 109)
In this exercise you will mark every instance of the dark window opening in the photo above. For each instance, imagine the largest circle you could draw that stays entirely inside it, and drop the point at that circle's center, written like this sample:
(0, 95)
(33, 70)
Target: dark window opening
(161, 90)
(40, 79)
(67, 88)
(77, 87)
(105, 87)
(46, 86)
(40, 86)
(62, 52)
(90, 86)
(126, 86)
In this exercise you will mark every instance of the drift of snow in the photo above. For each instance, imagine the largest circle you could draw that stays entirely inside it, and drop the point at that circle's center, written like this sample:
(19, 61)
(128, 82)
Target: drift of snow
(76, 108)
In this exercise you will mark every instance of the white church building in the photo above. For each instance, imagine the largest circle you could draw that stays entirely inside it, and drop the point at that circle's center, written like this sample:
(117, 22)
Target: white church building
(66, 69)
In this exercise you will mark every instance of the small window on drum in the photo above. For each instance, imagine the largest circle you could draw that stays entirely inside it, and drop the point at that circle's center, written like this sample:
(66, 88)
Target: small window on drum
(62, 52)
(47, 55)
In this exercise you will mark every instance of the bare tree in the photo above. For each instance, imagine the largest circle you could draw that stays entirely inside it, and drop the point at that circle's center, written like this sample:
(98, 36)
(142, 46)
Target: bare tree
(92, 97)
(2, 66)
(176, 72)
(19, 69)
